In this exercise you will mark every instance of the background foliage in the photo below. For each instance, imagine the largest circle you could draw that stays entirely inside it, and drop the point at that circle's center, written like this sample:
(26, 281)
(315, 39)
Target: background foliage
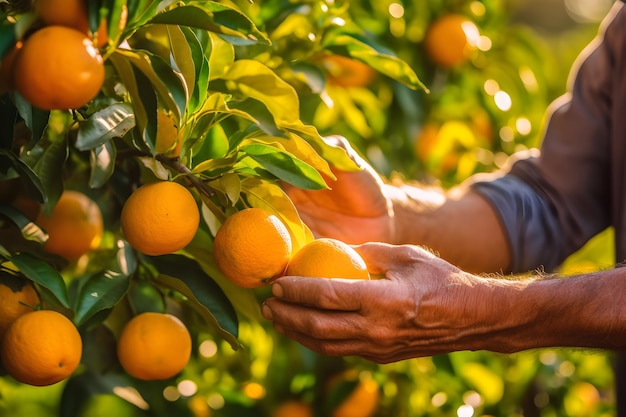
(249, 87)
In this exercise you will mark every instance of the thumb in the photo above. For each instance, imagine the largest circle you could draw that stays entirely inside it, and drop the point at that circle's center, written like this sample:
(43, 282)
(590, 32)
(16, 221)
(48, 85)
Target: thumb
(381, 258)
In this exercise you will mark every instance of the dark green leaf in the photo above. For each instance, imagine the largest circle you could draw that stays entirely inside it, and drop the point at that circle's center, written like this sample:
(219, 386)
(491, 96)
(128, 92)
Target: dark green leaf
(144, 297)
(43, 274)
(34, 186)
(286, 166)
(214, 17)
(8, 116)
(185, 275)
(47, 163)
(102, 164)
(101, 291)
(104, 289)
(102, 126)
(36, 119)
(7, 37)
(29, 230)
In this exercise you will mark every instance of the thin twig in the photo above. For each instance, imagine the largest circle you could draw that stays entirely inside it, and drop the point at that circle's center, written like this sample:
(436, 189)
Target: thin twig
(175, 164)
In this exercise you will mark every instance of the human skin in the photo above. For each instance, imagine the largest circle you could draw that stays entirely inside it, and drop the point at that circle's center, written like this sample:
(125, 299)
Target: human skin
(434, 300)
(425, 306)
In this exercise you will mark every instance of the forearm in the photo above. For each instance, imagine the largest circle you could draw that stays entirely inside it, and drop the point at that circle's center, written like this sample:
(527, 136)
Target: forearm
(459, 225)
(587, 311)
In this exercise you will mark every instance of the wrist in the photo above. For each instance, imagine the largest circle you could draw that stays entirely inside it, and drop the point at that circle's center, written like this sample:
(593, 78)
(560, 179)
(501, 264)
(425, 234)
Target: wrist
(577, 311)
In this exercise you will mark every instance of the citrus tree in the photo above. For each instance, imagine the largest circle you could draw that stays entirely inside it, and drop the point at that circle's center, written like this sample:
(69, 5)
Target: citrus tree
(134, 131)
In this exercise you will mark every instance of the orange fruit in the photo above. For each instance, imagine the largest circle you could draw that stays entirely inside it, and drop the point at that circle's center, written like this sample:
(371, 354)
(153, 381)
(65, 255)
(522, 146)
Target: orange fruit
(293, 408)
(6, 68)
(167, 141)
(17, 297)
(41, 348)
(252, 247)
(72, 14)
(347, 72)
(160, 218)
(426, 141)
(154, 346)
(327, 258)
(58, 68)
(74, 227)
(362, 401)
(451, 40)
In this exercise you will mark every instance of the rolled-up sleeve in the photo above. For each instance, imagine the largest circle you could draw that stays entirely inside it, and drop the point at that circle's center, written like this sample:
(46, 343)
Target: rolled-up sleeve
(552, 203)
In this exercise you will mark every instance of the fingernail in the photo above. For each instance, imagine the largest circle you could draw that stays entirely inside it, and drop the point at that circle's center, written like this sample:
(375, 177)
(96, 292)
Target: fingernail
(277, 290)
(266, 311)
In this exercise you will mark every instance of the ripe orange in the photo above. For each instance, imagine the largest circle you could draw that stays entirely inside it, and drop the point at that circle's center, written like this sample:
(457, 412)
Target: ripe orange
(58, 68)
(167, 141)
(347, 72)
(74, 227)
(293, 408)
(451, 40)
(17, 297)
(154, 346)
(6, 68)
(41, 348)
(69, 13)
(327, 258)
(251, 247)
(160, 218)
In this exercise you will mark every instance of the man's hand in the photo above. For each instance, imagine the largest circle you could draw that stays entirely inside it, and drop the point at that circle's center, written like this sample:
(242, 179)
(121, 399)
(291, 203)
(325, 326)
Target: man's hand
(354, 210)
(423, 306)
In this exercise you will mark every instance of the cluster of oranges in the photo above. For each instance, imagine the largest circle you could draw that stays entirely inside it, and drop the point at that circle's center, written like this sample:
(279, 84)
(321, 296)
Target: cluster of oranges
(58, 65)
(38, 347)
(253, 246)
(43, 347)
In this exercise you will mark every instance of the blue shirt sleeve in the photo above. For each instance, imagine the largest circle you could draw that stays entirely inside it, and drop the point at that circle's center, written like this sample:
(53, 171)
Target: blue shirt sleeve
(529, 221)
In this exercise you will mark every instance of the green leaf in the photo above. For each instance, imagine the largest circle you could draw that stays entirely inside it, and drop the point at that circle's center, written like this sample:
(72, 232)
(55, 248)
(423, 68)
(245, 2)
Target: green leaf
(185, 275)
(101, 291)
(102, 164)
(28, 229)
(35, 188)
(286, 166)
(365, 50)
(182, 56)
(7, 37)
(296, 145)
(214, 17)
(43, 274)
(47, 162)
(102, 126)
(8, 117)
(255, 80)
(144, 296)
(222, 56)
(126, 73)
(164, 80)
(36, 119)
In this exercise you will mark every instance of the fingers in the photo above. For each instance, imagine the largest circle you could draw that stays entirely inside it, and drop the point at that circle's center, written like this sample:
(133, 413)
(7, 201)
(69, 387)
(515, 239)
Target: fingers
(289, 318)
(321, 293)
